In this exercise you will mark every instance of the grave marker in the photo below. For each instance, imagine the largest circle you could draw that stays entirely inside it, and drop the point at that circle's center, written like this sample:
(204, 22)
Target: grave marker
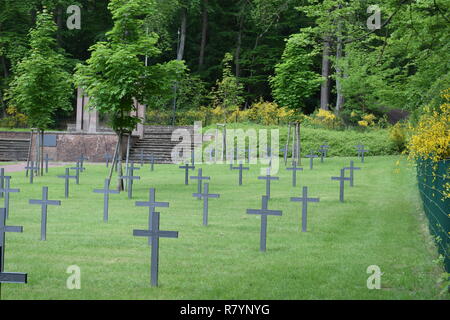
(81, 160)
(129, 178)
(200, 179)
(47, 159)
(155, 234)
(2, 180)
(141, 157)
(264, 212)
(8, 277)
(294, 170)
(6, 190)
(311, 157)
(240, 168)
(205, 196)
(268, 179)
(323, 151)
(152, 162)
(304, 199)
(341, 180)
(152, 204)
(77, 168)
(107, 158)
(186, 174)
(32, 168)
(67, 176)
(351, 168)
(106, 192)
(44, 203)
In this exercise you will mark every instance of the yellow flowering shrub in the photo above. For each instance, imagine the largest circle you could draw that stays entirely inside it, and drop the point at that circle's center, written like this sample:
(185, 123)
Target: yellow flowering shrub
(325, 119)
(15, 119)
(431, 137)
(398, 135)
(370, 119)
(363, 123)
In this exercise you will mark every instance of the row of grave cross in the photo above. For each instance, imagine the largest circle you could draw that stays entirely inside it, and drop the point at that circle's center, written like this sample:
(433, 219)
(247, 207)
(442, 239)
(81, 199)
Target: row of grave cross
(154, 233)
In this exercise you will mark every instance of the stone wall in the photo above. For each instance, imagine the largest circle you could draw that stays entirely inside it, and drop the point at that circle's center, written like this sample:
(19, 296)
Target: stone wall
(70, 145)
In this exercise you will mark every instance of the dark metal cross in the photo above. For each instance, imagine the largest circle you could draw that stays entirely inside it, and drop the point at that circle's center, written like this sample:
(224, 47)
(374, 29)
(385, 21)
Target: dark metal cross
(107, 158)
(152, 162)
(6, 190)
(129, 177)
(32, 168)
(268, 179)
(154, 234)
(141, 157)
(351, 168)
(249, 157)
(187, 167)
(304, 199)
(8, 277)
(341, 180)
(47, 159)
(323, 151)
(240, 168)
(294, 170)
(81, 159)
(200, 179)
(311, 157)
(2, 180)
(264, 212)
(67, 176)
(152, 204)
(78, 168)
(44, 203)
(106, 192)
(205, 196)
(362, 153)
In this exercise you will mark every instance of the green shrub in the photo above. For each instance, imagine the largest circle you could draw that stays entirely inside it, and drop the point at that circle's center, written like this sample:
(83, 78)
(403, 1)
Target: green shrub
(342, 143)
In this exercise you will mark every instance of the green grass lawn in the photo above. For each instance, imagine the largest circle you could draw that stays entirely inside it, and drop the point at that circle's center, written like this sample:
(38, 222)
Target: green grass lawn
(380, 223)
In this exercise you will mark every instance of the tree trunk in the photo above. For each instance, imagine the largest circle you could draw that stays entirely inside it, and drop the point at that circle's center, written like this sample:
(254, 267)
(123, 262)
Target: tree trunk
(120, 171)
(59, 23)
(325, 88)
(201, 60)
(339, 53)
(180, 53)
(41, 160)
(238, 48)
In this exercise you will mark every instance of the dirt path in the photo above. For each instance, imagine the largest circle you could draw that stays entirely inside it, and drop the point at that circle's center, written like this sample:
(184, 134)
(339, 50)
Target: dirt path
(20, 166)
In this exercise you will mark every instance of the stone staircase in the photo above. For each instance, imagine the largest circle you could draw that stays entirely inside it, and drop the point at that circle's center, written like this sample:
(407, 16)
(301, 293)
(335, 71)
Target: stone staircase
(158, 141)
(14, 149)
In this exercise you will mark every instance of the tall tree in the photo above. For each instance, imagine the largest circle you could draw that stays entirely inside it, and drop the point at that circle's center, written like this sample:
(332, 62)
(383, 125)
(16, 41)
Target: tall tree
(41, 84)
(116, 74)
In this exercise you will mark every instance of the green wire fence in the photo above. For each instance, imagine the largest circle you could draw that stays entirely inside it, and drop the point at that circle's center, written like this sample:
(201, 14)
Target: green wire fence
(432, 179)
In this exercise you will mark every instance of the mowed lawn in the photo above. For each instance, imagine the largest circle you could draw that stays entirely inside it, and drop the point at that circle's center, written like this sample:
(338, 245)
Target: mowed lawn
(380, 223)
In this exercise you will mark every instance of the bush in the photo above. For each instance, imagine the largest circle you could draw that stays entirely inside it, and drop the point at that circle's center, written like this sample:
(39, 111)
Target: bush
(341, 142)
(398, 136)
(14, 119)
(431, 137)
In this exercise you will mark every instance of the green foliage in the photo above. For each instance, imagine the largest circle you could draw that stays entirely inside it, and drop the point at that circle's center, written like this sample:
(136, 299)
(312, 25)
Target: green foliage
(116, 74)
(294, 81)
(228, 92)
(41, 85)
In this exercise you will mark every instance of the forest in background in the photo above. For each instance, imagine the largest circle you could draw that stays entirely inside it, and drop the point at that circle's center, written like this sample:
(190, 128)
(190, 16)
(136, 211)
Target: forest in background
(303, 55)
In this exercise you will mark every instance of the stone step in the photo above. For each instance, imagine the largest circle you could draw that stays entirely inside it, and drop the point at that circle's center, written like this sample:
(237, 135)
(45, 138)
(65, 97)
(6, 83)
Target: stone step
(14, 149)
